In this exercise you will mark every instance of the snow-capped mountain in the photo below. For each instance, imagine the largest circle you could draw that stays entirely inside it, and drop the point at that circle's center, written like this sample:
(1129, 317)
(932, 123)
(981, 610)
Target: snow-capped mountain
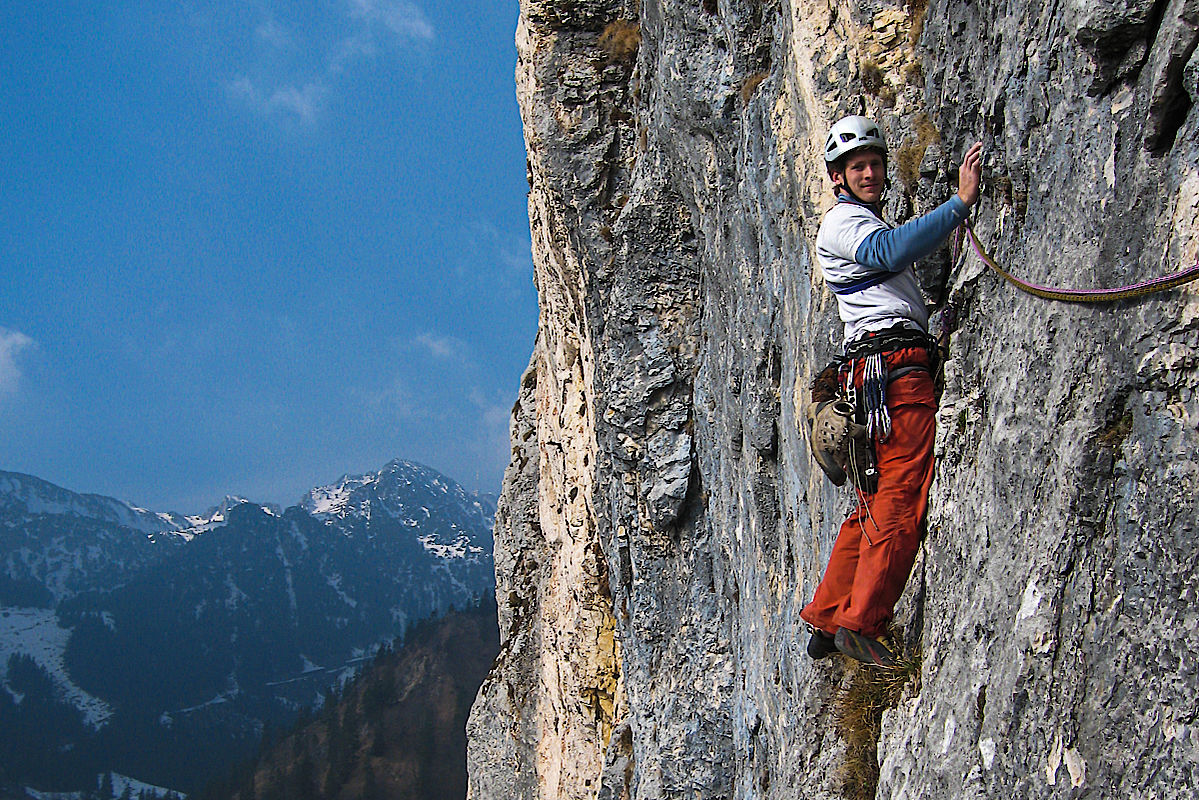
(446, 518)
(128, 636)
(26, 497)
(55, 544)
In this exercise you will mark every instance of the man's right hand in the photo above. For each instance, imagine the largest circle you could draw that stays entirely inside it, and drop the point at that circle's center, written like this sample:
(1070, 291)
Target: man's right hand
(970, 175)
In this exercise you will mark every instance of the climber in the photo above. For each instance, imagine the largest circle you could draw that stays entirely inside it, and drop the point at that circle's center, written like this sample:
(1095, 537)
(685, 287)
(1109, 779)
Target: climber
(867, 264)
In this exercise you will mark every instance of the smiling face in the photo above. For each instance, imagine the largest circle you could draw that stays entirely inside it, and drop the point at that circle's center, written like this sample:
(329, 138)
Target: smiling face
(864, 174)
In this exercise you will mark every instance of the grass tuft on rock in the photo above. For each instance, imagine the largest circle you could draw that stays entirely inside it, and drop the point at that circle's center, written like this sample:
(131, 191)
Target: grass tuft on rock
(911, 154)
(913, 73)
(916, 11)
(751, 84)
(1112, 436)
(858, 711)
(620, 40)
(873, 79)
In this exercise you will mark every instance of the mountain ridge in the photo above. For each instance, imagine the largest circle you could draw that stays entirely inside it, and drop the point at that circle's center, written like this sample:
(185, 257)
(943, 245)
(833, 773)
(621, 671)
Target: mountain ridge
(172, 627)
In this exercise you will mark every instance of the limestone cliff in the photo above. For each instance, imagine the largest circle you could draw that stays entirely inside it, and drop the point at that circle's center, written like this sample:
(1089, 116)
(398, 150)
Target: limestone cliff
(662, 525)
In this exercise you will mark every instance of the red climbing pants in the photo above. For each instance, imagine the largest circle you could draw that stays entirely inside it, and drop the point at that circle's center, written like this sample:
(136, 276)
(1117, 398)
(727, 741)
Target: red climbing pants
(877, 545)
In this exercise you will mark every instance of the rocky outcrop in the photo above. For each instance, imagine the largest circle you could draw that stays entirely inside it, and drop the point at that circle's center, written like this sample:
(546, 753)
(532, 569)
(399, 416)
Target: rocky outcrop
(662, 524)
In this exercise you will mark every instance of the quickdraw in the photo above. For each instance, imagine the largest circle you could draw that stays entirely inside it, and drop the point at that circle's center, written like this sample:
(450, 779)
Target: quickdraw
(1159, 284)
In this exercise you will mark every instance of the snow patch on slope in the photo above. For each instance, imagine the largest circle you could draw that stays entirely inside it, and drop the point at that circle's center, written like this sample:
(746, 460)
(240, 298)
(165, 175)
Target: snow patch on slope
(334, 501)
(35, 632)
(123, 783)
(459, 548)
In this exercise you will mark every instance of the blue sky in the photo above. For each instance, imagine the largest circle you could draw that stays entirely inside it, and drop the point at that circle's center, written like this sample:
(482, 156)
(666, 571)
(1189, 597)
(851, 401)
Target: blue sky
(247, 247)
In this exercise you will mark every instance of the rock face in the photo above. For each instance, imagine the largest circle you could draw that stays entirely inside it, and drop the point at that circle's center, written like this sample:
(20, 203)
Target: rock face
(662, 523)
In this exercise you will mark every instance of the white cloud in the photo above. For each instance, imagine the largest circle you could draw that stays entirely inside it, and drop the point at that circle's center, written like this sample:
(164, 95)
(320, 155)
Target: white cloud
(296, 65)
(11, 345)
(357, 47)
(274, 34)
(304, 102)
(500, 259)
(243, 89)
(299, 103)
(402, 18)
(511, 250)
(494, 440)
(445, 348)
(386, 403)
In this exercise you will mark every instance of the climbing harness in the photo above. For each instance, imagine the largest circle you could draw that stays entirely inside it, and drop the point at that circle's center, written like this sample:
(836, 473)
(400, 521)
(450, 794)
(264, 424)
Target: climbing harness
(871, 350)
(898, 337)
(844, 419)
(1159, 284)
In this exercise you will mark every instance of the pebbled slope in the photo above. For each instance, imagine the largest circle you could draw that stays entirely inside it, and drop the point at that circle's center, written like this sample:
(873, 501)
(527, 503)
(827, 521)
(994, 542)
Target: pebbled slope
(674, 199)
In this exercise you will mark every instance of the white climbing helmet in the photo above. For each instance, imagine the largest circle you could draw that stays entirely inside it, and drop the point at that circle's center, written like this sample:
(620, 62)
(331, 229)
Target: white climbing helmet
(850, 133)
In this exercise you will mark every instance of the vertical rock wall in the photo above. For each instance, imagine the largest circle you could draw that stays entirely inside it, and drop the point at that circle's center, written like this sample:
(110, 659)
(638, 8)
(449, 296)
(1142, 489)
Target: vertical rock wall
(661, 524)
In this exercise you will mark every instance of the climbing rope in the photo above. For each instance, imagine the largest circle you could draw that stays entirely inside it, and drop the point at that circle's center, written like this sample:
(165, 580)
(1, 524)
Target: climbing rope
(1159, 284)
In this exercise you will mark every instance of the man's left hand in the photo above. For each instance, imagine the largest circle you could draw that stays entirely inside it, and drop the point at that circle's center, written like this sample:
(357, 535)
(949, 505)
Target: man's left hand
(970, 175)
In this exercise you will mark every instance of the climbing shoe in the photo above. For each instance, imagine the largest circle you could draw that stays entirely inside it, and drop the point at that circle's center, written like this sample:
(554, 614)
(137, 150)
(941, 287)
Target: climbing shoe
(821, 645)
(864, 649)
(840, 445)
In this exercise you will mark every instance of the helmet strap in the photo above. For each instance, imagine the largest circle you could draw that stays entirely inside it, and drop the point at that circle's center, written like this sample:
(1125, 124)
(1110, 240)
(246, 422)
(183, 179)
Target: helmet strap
(845, 188)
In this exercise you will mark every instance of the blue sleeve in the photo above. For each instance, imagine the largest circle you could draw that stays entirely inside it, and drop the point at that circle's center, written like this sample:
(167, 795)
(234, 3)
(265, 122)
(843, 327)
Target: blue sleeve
(895, 249)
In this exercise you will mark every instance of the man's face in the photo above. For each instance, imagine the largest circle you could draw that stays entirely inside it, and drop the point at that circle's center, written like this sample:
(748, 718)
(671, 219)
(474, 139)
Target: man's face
(865, 174)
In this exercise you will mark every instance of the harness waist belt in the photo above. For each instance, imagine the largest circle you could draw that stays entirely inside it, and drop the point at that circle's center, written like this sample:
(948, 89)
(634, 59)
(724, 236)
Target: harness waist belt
(897, 338)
